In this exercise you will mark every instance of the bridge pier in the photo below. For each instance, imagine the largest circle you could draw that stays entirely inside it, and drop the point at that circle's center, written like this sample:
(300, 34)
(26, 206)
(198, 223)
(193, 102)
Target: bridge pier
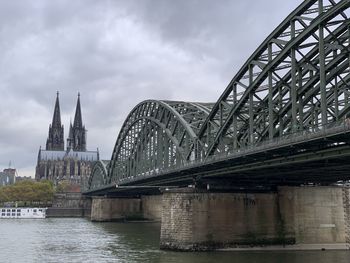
(299, 217)
(104, 209)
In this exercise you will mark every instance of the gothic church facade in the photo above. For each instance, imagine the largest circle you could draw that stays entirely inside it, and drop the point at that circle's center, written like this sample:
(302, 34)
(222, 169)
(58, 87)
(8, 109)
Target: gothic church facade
(73, 164)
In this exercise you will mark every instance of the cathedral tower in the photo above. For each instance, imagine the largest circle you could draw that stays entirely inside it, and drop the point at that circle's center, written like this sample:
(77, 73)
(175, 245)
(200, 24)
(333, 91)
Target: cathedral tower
(55, 141)
(77, 133)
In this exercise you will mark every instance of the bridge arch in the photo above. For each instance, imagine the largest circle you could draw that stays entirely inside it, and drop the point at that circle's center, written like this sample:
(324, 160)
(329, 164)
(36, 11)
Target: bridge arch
(155, 136)
(98, 177)
(296, 81)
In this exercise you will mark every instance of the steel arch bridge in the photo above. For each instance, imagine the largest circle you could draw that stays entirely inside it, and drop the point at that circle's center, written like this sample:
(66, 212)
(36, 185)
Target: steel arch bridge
(288, 104)
(99, 172)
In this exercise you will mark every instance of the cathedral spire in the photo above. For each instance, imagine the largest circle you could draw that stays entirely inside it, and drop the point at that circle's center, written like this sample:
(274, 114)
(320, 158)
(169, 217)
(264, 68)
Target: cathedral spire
(78, 130)
(56, 120)
(55, 140)
(78, 122)
(70, 139)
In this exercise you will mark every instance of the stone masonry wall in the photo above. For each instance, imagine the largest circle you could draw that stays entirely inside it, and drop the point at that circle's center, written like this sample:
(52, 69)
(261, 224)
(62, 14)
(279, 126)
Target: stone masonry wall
(152, 207)
(114, 209)
(177, 221)
(303, 216)
(68, 200)
(314, 214)
(346, 202)
(70, 205)
(201, 221)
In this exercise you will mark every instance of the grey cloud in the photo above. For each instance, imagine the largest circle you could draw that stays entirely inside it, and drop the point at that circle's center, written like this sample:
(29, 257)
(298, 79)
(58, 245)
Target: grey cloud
(116, 54)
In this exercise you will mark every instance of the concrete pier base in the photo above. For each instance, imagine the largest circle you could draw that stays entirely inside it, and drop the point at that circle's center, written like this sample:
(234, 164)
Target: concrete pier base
(105, 209)
(152, 207)
(314, 217)
(115, 209)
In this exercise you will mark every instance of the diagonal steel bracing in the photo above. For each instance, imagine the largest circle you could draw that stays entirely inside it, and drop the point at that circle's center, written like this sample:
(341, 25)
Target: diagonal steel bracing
(261, 78)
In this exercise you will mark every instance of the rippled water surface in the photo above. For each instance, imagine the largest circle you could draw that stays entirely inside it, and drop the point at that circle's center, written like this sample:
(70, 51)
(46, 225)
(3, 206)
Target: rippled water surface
(79, 240)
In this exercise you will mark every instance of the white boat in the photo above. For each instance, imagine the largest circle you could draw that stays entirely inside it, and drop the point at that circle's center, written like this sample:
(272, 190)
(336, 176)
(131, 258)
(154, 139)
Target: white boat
(24, 212)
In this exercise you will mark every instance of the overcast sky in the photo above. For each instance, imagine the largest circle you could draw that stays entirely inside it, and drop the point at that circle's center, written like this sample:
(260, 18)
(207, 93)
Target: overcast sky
(116, 54)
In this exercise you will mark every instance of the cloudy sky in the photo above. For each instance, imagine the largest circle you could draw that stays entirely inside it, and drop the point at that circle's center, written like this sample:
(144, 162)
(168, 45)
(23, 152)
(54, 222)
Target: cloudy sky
(116, 53)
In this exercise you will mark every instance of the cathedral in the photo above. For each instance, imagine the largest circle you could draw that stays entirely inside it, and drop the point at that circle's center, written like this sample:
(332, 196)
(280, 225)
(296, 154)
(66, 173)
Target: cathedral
(72, 164)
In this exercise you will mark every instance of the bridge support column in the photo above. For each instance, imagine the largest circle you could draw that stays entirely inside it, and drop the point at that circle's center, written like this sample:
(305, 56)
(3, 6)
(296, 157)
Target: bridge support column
(317, 216)
(118, 209)
(299, 217)
(115, 209)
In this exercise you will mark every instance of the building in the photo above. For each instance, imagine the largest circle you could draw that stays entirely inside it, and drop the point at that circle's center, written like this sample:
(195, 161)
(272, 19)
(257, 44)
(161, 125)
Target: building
(7, 176)
(72, 164)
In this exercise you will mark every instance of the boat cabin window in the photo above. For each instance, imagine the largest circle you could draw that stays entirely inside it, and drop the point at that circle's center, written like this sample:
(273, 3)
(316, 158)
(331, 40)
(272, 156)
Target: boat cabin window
(2, 210)
(40, 210)
(2, 214)
(34, 210)
(13, 210)
(8, 210)
(18, 210)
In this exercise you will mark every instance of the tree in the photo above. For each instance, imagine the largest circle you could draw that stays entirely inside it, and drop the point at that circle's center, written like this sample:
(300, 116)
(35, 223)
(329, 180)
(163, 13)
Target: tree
(63, 186)
(27, 191)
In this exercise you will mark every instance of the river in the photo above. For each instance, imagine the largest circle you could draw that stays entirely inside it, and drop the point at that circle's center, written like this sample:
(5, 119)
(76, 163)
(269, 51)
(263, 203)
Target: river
(79, 240)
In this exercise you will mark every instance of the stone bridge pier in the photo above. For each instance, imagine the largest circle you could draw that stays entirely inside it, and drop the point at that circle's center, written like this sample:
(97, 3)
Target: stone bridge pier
(147, 207)
(294, 217)
(197, 220)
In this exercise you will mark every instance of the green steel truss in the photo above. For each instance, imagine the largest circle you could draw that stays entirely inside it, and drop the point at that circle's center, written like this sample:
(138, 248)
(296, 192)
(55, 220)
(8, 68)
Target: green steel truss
(157, 135)
(295, 84)
(295, 81)
(98, 176)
